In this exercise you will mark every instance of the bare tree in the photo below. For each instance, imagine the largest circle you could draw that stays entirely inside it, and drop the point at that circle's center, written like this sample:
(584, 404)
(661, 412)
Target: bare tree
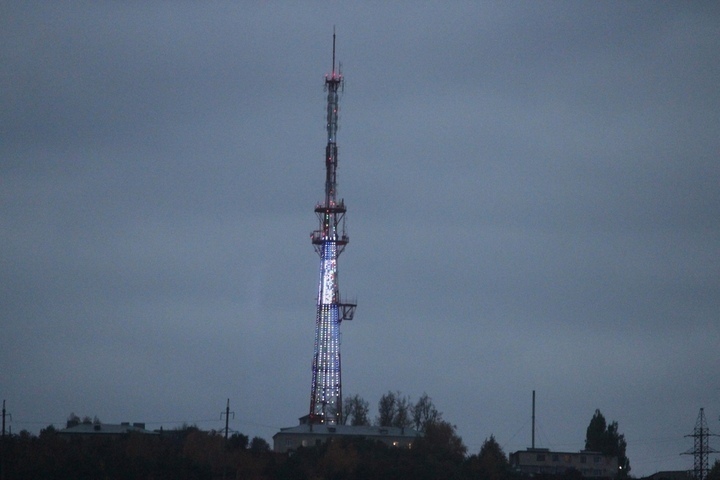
(424, 413)
(347, 409)
(403, 411)
(386, 410)
(356, 409)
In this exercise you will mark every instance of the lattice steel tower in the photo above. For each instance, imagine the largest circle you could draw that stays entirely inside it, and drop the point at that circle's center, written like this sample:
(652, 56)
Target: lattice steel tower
(329, 241)
(702, 448)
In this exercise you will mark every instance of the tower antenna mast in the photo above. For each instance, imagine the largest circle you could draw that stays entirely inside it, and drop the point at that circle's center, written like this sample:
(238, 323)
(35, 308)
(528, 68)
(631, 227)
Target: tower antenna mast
(329, 241)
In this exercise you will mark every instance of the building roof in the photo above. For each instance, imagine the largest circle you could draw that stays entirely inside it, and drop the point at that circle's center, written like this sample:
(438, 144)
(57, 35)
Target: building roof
(350, 431)
(105, 429)
(671, 475)
(560, 452)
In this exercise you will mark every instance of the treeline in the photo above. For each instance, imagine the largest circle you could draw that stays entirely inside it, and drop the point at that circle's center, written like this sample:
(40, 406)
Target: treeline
(394, 410)
(184, 453)
(437, 455)
(189, 453)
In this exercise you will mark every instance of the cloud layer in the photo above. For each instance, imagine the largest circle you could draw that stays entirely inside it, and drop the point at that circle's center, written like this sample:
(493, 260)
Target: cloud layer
(532, 194)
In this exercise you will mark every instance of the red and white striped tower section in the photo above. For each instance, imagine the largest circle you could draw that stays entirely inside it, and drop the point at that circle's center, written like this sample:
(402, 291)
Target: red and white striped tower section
(329, 242)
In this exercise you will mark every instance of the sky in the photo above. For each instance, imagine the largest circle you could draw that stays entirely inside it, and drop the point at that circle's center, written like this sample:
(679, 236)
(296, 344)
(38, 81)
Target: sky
(533, 193)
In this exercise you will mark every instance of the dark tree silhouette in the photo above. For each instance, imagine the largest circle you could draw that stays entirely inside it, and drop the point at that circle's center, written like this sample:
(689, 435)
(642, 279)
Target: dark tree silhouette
(356, 410)
(403, 411)
(425, 413)
(386, 409)
(714, 473)
(606, 439)
(595, 435)
(238, 441)
(440, 453)
(395, 410)
(491, 463)
(259, 445)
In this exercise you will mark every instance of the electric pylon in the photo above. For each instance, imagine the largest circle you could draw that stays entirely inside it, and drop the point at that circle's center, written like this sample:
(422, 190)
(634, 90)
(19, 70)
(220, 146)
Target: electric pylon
(329, 241)
(702, 448)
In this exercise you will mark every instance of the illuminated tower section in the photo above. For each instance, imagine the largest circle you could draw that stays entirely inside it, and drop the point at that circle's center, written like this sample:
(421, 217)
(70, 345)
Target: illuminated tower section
(329, 242)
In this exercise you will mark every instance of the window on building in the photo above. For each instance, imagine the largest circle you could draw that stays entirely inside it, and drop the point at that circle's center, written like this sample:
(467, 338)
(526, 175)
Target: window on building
(596, 459)
(540, 457)
(583, 459)
(555, 457)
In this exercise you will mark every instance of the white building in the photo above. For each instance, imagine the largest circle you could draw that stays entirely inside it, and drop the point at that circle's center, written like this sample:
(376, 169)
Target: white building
(535, 461)
(309, 435)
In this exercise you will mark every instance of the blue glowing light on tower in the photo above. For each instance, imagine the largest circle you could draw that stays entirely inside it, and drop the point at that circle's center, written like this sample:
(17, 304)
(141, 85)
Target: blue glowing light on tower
(329, 241)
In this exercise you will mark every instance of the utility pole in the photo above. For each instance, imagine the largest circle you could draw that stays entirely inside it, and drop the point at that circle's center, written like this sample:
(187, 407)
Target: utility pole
(227, 413)
(533, 421)
(701, 449)
(2, 443)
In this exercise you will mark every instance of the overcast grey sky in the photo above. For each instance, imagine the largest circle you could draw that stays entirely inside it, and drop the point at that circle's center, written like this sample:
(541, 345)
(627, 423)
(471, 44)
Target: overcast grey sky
(533, 195)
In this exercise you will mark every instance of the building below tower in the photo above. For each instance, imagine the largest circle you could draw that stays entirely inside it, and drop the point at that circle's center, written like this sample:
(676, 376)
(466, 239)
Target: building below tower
(310, 435)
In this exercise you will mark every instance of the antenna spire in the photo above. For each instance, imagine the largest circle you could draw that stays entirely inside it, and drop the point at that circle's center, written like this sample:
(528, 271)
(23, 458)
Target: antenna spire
(333, 65)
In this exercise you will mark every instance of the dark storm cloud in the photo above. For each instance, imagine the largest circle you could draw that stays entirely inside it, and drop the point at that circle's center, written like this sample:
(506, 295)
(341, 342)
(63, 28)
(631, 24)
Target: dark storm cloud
(532, 194)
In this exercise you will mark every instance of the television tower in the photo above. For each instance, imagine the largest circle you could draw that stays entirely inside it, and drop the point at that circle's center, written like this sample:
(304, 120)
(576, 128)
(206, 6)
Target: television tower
(329, 241)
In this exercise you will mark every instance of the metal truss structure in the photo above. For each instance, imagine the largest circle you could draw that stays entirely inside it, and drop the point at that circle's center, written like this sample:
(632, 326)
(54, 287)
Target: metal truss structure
(329, 241)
